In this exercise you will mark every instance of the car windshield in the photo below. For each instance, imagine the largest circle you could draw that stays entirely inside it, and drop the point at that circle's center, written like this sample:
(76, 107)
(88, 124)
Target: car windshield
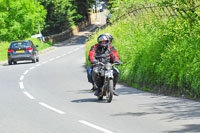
(20, 45)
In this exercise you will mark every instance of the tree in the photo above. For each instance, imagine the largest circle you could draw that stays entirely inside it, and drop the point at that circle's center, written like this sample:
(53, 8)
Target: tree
(20, 19)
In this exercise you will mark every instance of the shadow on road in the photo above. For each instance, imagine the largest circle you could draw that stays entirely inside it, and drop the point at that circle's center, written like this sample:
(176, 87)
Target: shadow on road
(88, 100)
(173, 109)
(192, 128)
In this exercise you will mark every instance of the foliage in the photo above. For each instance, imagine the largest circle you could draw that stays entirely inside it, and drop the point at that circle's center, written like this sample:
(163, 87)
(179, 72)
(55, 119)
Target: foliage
(59, 15)
(63, 14)
(20, 19)
(159, 52)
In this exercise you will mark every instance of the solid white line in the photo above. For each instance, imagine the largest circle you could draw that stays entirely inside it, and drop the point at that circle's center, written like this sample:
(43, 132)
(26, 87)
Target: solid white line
(95, 126)
(52, 108)
(28, 95)
(22, 77)
(32, 68)
(26, 72)
(21, 85)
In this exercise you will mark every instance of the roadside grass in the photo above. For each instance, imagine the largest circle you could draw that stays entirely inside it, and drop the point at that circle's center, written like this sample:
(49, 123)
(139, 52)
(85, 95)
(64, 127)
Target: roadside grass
(4, 47)
(156, 52)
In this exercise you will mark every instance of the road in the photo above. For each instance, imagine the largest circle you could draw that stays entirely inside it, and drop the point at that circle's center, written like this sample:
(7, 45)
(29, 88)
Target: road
(53, 96)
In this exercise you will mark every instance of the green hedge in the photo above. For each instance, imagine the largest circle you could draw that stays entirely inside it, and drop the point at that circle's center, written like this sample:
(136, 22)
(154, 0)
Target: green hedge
(158, 53)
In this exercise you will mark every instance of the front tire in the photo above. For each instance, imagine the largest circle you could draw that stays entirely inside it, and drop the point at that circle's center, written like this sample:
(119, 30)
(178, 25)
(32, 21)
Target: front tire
(109, 91)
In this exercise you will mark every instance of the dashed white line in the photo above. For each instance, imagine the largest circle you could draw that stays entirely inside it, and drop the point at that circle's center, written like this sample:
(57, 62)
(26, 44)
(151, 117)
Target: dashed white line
(64, 54)
(32, 68)
(51, 108)
(38, 65)
(82, 46)
(44, 62)
(95, 126)
(21, 85)
(57, 57)
(28, 95)
(76, 49)
(70, 52)
(52, 59)
(22, 77)
(26, 72)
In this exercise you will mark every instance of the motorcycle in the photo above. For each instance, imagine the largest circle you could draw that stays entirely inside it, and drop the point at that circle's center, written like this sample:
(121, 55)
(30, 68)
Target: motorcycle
(108, 17)
(106, 73)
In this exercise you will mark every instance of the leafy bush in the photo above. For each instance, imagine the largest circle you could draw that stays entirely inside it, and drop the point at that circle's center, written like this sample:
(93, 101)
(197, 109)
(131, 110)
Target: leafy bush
(158, 52)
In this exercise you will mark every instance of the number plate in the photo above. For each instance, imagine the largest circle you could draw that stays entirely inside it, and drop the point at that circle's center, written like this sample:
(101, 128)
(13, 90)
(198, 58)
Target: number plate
(20, 51)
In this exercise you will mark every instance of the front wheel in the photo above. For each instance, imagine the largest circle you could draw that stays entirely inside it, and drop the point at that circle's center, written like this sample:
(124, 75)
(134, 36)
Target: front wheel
(109, 91)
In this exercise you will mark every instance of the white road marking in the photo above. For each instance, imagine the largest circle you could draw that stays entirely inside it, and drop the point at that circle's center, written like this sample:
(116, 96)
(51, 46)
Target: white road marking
(21, 85)
(28, 95)
(69, 52)
(38, 65)
(32, 68)
(51, 108)
(26, 72)
(52, 59)
(95, 126)
(82, 46)
(64, 54)
(76, 49)
(22, 77)
(57, 57)
(44, 62)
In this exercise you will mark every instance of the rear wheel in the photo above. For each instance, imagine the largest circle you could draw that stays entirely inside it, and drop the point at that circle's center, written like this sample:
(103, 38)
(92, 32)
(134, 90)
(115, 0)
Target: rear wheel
(15, 62)
(34, 59)
(109, 91)
(9, 62)
(37, 59)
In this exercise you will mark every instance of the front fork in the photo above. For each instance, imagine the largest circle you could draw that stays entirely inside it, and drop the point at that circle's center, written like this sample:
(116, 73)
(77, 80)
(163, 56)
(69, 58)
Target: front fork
(108, 76)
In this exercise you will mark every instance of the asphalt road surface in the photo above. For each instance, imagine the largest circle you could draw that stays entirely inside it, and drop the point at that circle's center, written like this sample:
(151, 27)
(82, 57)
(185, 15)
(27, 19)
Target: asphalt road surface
(53, 96)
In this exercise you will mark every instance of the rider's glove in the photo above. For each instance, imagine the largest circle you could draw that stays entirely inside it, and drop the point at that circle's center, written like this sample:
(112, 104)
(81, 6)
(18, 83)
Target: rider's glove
(117, 62)
(94, 61)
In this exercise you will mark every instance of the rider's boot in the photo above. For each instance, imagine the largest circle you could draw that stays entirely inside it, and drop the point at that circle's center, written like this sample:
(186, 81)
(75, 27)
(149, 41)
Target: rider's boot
(94, 88)
(114, 92)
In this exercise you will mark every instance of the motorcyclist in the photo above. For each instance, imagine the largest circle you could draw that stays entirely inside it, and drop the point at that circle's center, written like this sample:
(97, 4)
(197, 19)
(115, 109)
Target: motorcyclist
(109, 54)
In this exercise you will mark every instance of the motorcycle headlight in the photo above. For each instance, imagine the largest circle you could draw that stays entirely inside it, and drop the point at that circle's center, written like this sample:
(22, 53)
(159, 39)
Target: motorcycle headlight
(108, 66)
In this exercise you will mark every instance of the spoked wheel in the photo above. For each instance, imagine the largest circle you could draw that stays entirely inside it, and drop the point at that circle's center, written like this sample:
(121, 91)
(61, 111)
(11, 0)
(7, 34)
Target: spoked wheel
(109, 91)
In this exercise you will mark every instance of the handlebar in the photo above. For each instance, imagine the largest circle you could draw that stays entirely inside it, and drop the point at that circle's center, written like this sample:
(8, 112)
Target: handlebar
(101, 63)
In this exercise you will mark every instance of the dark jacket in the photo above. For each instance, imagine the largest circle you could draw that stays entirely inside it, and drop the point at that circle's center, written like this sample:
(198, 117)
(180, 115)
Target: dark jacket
(109, 52)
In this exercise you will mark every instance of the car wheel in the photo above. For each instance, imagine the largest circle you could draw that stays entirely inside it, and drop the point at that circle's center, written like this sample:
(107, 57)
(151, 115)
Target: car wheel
(34, 59)
(37, 60)
(9, 62)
